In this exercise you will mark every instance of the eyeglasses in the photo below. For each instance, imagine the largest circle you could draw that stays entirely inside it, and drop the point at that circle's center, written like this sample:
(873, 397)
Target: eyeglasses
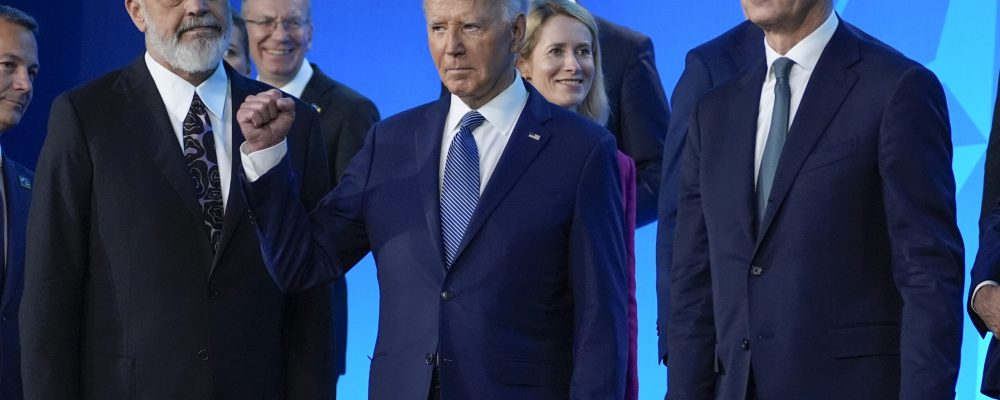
(270, 24)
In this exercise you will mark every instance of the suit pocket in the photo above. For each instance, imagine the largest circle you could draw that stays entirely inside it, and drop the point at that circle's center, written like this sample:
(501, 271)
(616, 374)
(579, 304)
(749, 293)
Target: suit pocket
(830, 154)
(862, 341)
(533, 373)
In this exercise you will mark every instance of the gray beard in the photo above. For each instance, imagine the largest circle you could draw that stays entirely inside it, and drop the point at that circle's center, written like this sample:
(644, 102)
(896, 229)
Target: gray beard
(203, 53)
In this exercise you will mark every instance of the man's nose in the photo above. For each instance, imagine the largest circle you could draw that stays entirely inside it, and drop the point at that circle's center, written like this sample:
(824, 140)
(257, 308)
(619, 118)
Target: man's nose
(453, 43)
(196, 7)
(22, 80)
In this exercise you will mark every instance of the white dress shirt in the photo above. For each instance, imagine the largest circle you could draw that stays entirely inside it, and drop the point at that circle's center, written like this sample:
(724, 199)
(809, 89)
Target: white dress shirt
(297, 85)
(501, 114)
(177, 94)
(806, 55)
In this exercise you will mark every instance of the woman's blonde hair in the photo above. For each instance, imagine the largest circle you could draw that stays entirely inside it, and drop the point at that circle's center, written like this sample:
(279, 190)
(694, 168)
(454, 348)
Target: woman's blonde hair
(595, 104)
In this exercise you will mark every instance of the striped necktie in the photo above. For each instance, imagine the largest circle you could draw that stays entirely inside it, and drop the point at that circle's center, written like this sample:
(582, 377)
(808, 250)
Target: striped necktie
(460, 191)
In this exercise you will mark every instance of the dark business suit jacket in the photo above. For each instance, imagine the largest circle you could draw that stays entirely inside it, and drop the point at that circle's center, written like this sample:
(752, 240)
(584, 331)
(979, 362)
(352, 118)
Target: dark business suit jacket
(706, 66)
(124, 297)
(344, 118)
(991, 177)
(639, 111)
(17, 181)
(987, 267)
(534, 306)
(851, 287)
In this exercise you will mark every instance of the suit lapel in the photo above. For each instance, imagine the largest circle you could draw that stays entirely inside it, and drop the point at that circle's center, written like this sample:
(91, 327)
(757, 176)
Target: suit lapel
(740, 147)
(516, 157)
(428, 153)
(829, 85)
(148, 121)
(18, 199)
(235, 204)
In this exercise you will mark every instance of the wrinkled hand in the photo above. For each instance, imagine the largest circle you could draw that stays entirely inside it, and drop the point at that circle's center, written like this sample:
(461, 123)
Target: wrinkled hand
(987, 305)
(265, 119)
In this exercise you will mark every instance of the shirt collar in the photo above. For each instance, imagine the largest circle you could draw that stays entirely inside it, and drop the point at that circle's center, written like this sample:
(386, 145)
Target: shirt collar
(501, 112)
(177, 93)
(297, 85)
(806, 53)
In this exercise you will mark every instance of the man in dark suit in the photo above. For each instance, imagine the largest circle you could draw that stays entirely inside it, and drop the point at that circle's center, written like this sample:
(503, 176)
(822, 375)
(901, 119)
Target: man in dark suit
(706, 66)
(991, 177)
(146, 279)
(19, 55)
(499, 246)
(984, 298)
(640, 115)
(344, 114)
(834, 270)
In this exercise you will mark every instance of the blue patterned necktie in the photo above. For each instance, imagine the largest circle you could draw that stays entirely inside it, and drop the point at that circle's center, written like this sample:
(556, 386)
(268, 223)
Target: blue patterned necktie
(460, 191)
(199, 155)
(776, 135)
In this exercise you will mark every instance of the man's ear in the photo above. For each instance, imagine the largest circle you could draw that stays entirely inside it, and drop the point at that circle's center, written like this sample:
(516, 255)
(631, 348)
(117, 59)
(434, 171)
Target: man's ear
(134, 8)
(518, 31)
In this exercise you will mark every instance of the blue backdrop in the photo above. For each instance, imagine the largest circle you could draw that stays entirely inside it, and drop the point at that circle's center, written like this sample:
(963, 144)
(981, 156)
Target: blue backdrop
(379, 48)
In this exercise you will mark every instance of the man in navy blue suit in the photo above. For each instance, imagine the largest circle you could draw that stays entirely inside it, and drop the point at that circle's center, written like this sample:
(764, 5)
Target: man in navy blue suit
(816, 252)
(706, 66)
(18, 68)
(494, 218)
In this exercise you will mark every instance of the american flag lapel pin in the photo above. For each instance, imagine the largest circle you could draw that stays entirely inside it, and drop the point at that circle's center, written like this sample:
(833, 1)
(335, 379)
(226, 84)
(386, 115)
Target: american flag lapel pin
(535, 136)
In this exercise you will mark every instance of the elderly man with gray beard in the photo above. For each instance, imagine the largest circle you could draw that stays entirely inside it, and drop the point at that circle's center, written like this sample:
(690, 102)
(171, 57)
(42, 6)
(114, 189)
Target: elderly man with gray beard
(144, 277)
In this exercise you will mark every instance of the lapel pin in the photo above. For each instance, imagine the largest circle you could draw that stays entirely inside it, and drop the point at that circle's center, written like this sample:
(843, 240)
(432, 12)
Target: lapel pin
(535, 136)
(318, 108)
(24, 181)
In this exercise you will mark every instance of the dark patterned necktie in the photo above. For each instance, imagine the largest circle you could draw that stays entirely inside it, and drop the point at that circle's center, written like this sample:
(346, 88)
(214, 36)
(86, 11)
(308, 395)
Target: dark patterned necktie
(199, 155)
(460, 191)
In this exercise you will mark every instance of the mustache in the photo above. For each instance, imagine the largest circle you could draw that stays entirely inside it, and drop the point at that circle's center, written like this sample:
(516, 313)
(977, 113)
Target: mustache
(204, 21)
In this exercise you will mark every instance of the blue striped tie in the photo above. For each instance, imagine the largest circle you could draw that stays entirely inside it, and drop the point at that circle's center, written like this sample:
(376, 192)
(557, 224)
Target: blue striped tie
(460, 191)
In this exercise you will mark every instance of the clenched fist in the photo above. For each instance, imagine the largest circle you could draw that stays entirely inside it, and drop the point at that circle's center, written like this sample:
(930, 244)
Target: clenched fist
(265, 119)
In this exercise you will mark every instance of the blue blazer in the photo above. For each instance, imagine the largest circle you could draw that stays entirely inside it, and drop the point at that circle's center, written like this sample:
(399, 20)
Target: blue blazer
(851, 287)
(534, 306)
(706, 66)
(17, 182)
(987, 267)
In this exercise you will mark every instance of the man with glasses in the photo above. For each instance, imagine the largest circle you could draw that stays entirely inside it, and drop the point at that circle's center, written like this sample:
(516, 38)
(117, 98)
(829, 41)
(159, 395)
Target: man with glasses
(280, 33)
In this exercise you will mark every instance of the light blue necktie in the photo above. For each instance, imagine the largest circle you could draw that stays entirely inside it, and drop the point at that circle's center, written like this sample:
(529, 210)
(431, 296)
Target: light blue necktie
(776, 135)
(460, 191)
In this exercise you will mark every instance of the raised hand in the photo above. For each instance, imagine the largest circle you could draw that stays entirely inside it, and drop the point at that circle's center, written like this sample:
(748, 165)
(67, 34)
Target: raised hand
(265, 119)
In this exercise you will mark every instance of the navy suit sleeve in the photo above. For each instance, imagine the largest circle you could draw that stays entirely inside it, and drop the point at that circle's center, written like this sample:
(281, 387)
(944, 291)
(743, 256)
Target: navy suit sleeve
(597, 270)
(645, 117)
(57, 255)
(303, 250)
(915, 158)
(694, 82)
(307, 325)
(692, 323)
(991, 178)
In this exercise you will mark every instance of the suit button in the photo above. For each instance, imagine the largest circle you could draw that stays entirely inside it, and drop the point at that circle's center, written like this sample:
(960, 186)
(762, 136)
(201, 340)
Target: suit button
(203, 355)
(756, 270)
(213, 294)
(429, 359)
(745, 345)
(447, 295)
(3, 319)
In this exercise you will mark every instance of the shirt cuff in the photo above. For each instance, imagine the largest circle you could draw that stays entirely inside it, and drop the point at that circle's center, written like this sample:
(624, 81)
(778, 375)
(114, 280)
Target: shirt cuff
(257, 163)
(972, 302)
